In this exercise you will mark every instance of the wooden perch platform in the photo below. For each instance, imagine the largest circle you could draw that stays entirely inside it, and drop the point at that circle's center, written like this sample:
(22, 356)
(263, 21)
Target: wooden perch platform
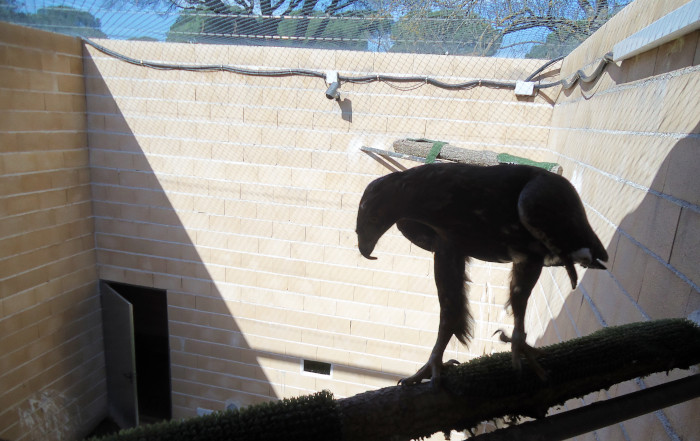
(420, 150)
(481, 389)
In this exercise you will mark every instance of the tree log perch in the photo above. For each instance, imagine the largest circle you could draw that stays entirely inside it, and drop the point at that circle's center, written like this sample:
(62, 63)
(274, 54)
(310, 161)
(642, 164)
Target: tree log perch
(482, 389)
(421, 148)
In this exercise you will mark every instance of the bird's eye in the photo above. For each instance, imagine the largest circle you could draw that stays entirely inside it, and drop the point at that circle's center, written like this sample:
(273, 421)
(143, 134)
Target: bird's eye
(373, 219)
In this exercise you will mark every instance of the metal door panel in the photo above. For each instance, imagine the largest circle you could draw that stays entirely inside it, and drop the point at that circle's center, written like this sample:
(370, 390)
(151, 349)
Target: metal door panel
(120, 357)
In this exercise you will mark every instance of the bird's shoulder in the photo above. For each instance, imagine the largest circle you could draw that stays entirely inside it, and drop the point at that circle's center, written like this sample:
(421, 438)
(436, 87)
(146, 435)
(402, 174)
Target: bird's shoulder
(466, 180)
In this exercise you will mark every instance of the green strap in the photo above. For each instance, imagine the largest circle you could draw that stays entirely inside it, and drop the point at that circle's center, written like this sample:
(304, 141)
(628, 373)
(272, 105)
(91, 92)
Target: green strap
(434, 150)
(502, 158)
(505, 158)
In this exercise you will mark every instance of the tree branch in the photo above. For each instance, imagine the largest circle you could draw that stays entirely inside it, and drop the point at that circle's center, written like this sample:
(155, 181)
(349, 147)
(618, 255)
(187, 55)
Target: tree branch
(586, 6)
(601, 10)
(487, 387)
(551, 23)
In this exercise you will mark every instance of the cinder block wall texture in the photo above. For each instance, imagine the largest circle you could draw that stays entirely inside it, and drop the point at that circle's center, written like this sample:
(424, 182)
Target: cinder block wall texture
(51, 363)
(238, 195)
(630, 143)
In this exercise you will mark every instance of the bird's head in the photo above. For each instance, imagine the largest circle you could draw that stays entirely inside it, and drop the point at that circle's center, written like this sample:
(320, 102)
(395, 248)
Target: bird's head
(377, 212)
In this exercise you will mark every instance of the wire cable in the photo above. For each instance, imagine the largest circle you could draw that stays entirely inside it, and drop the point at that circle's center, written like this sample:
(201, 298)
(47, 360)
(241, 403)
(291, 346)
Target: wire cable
(566, 83)
(580, 75)
(206, 67)
(544, 66)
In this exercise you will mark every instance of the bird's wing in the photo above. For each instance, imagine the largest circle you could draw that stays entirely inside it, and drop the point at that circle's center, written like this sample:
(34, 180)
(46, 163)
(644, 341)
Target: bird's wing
(418, 233)
(551, 211)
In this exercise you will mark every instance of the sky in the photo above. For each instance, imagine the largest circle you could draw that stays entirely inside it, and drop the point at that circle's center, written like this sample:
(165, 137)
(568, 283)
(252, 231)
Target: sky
(122, 23)
(128, 21)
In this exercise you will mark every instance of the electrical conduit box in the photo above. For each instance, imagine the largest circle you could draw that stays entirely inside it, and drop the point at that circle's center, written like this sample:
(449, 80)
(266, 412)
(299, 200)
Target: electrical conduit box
(524, 88)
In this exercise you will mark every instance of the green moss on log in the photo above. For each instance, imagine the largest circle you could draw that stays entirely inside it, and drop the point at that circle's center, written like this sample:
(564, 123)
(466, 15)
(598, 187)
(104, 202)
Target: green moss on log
(633, 348)
(306, 418)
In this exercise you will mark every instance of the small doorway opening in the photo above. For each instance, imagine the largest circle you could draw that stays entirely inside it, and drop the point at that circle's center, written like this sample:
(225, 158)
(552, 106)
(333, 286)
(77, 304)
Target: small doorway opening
(151, 348)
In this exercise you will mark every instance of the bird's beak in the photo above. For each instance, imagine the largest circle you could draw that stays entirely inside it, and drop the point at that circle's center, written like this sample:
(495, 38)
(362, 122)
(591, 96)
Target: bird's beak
(597, 264)
(366, 252)
(366, 247)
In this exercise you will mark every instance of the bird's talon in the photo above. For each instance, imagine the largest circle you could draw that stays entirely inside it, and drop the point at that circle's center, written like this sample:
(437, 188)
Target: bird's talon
(430, 371)
(520, 350)
(503, 337)
(422, 374)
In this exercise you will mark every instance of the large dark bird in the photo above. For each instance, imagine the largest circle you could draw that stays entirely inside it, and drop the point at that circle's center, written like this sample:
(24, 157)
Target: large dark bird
(504, 213)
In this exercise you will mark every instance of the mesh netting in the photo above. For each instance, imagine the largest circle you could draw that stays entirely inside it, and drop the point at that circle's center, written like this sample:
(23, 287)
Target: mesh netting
(222, 170)
(232, 115)
(503, 28)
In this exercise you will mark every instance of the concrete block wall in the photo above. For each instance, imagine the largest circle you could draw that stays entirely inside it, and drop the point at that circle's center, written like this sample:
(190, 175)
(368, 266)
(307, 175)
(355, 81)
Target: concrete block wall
(51, 359)
(238, 194)
(630, 143)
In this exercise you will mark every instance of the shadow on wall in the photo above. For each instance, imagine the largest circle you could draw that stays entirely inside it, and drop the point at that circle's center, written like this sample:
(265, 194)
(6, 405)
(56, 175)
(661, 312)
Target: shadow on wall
(151, 232)
(141, 240)
(652, 274)
(653, 266)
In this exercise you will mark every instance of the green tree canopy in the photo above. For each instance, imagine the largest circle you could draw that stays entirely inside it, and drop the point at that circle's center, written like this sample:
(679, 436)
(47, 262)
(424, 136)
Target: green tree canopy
(9, 10)
(202, 25)
(569, 22)
(61, 19)
(444, 32)
(558, 43)
(473, 27)
(249, 21)
(348, 30)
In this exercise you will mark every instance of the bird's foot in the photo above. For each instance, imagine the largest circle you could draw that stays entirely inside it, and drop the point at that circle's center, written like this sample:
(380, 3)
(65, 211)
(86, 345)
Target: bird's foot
(431, 370)
(521, 349)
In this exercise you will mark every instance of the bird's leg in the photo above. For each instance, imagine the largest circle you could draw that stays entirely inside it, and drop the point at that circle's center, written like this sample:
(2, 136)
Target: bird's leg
(519, 349)
(450, 276)
(524, 278)
(433, 368)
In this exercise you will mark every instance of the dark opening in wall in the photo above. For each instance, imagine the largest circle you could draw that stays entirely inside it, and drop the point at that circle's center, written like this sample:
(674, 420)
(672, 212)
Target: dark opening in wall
(317, 367)
(151, 348)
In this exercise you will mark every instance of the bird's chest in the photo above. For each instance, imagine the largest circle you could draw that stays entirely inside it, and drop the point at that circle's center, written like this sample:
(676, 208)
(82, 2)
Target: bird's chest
(492, 237)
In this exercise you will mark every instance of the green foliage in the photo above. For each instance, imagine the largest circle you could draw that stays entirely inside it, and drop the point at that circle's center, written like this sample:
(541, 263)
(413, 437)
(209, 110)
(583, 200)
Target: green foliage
(61, 19)
(349, 30)
(445, 32)
(202, 25)
(560, 42)
(435, 27)
(145, 38)
(8, 10)
(436, 32)
(66, 20)
(188, 26)
(476, 28)
(306, 418)
(639, 348)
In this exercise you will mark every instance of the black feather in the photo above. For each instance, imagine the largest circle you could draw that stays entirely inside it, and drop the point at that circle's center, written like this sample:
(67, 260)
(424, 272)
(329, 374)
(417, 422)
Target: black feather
(505, 213)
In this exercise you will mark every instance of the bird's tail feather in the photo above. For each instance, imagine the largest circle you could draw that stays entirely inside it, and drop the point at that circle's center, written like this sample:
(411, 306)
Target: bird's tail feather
(465, 329)
(451, 278)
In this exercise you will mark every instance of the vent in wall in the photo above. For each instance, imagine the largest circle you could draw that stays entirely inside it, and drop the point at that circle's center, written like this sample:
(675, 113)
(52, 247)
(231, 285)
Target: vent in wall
(317, 367)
